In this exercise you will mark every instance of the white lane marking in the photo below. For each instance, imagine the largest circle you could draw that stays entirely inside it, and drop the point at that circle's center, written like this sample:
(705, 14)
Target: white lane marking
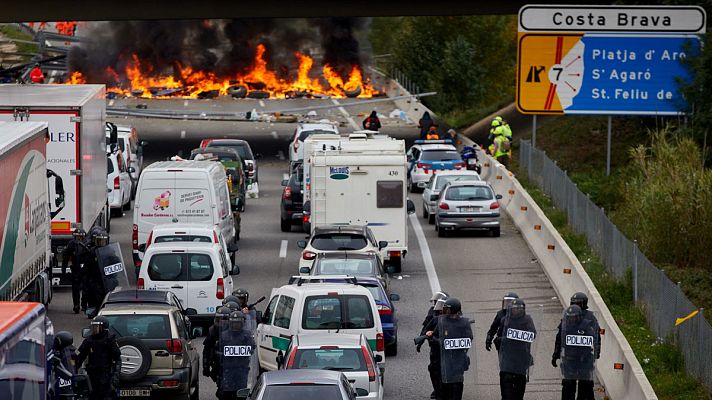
(274, 135)
(262, 103)
(346, 114)
(182, 134)
(425, 252)
(283, 249)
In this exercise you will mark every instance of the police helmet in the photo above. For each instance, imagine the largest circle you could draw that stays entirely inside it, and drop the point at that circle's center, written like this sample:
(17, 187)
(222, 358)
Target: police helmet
(237, 320)
(242, 294)
(222, 314)
(438, 296)
(99, 325)
(230, 298)
(62, 340)
(573, 315)
(439, 304)
(452, 306)
(232, 305)
(101, 239)
(517, 308)
(508, 299)
(580, 299)
(79, 234)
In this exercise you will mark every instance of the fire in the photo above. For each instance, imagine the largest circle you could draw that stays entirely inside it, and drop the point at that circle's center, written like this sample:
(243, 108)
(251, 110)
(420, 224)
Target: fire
(66, 27)
(141, 80)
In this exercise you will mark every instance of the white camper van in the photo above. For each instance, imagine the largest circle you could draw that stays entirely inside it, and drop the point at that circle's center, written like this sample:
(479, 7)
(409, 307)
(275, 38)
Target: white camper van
(181, 191)
(362, 181)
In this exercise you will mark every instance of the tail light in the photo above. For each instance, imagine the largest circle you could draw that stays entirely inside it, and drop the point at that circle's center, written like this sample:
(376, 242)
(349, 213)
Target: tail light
(251, 167)
(140, 284)
(305, 218)
(460, 165)
(369, 364)
(168, 383)
(174, 346)
(220, 290)
(420, 165)
(444, 206)
(287, 193)
(292, 356)
(380, 344)
(204, 143)
(215, 237)
(134, 237)
(395, 253)
(117, 183)
(150, 238)
(308, 255)
(384, 309)
(494, 206)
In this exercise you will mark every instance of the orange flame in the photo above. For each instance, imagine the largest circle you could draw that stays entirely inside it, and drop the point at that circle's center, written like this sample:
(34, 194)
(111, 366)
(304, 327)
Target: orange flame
(66, 27)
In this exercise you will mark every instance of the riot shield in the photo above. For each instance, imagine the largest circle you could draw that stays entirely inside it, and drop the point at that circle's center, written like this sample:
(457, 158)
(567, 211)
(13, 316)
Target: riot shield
(519, 339)
(251, 327)
(236, 351)
(579, 337)
(454, 334)
(111, 267)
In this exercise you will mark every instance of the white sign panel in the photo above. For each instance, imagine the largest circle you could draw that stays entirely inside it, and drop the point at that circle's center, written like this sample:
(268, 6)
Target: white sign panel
(649, 19)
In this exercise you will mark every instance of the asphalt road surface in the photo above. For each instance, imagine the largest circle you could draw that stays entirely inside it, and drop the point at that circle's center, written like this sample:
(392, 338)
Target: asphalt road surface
(475, 268)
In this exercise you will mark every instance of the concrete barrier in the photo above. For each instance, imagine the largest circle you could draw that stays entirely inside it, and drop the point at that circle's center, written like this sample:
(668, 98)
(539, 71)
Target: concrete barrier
(618, 370)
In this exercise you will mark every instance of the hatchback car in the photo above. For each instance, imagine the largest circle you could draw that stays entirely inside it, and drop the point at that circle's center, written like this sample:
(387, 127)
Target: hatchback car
(431, 192)
(118, 182)
(467, 205)
(349, 354)
(352, 238)
(301, 384)
(303, 131)
(158, 355)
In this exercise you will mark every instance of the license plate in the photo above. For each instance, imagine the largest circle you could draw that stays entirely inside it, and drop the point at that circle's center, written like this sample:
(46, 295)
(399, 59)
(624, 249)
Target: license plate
(135, 393)
(469, 209)
(471, 161)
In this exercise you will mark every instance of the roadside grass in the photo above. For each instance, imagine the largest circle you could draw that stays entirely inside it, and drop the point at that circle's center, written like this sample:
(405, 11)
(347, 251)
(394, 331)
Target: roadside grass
(460, 119)
(662, 363)
(25, 49)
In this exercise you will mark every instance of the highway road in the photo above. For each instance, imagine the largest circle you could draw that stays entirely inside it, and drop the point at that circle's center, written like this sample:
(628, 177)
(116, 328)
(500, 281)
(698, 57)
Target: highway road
(475, 268)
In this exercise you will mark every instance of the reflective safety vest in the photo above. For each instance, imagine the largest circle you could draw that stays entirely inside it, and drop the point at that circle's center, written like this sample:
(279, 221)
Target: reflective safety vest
(499, 150)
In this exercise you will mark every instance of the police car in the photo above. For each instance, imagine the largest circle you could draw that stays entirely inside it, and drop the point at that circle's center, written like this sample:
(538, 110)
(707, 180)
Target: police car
(428, 157)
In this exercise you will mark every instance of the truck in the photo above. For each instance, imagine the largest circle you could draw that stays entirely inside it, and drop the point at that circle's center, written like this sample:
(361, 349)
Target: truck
(361, 180)
(25, 250)
(76, 152)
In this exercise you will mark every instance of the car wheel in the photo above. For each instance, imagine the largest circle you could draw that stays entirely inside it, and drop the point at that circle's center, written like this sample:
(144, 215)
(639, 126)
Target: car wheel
(196, 391)
(441, 232)
(392, 350)
(127, 206)
(425, 212)
(116, 212)
(411, 189)
(397, 264)
(284, 225)
(495, 232)
(431, 219)
(135, 359)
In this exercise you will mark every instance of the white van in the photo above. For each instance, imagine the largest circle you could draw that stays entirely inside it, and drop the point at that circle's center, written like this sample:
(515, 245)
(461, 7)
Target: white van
(198, 273)
(317, 308)
(132, 148)
(184, 192)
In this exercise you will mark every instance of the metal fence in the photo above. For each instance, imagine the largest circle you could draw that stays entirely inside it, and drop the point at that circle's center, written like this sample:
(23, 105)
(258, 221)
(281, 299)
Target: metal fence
(661, 298)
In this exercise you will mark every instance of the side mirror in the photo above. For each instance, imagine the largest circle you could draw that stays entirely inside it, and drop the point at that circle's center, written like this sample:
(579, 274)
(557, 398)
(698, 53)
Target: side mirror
(434, 197)
(258, 156)
(243, 393)
(232, 248)
(302, 244)
(86, 332)
(382, 244)
(305, 270)
(235, 270)
(285, 182)
(132, 170)
(390, 270)
(394, 297)
(377, 358)
(258, 316)
(280, 359)
(410, 206)
(360, 392)
(190, 312)
(498, 197)
(197, 331)
(142, 143)
(142, 247)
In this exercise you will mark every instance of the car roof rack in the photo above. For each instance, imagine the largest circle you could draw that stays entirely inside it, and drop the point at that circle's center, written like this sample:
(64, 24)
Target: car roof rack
(300, 279)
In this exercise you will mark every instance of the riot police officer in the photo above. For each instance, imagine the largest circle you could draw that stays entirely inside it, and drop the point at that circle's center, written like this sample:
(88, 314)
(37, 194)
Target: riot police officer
(577, 354)
(434, 365)
(515, 351)
(104, 359)
(243, 296)
(94, 281)
(235, 350)
(495, 330)
(210, 363)
(454, 336)
(429, 316)
(78, 252)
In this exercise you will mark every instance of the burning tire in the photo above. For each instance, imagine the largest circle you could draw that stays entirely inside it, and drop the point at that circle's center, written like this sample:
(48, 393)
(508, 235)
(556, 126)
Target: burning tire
(238, 92)
(353, 93)
(137, 93)
(208, 94)
(258, 94)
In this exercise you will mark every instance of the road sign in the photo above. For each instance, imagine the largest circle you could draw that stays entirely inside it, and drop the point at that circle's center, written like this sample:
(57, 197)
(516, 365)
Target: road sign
(607, 74)
(611, 60)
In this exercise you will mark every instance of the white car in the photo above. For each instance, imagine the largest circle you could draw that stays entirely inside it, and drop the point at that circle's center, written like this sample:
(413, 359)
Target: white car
(339, 238)
(437, 182)
(132, 148)
(177, 232)
(338, 352)
(118, 183)
(429, 157)
(199, 274)
(303, 131)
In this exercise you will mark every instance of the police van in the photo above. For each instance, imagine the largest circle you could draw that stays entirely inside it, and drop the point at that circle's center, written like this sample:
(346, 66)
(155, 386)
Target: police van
(361, 180)
(308, 307)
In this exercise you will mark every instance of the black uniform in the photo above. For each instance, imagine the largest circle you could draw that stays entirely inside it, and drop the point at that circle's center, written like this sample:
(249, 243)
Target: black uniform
(454, 361)
(210, 344)
(495, 331)
(79, 253)
(104, 363)
(234, 351)
(431, 324)
(577, 366)
(515, 356)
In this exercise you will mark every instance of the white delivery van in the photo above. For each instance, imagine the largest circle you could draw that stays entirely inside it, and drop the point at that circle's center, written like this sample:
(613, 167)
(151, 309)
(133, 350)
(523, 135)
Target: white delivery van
(181, 191)
(362, 181)
(317, 309)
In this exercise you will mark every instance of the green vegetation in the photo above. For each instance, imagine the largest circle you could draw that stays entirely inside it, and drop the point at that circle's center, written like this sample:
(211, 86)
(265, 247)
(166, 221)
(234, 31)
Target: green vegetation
(469, 61)
(662, 362)
(25, 49)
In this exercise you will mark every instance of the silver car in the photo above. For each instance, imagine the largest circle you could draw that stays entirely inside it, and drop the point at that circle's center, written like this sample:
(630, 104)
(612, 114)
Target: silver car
(431, 191)
(467, 205)
(301, 384)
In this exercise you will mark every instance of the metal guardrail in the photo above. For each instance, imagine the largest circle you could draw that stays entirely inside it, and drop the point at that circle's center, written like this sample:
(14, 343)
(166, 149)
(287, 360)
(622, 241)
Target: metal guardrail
(663, 300)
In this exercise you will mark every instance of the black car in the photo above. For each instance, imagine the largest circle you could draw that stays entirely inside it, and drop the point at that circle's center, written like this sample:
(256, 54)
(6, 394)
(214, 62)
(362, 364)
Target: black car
(291, 205)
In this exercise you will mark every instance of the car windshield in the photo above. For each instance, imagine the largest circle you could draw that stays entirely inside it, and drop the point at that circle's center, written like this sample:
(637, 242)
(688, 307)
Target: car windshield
(376, 292)
(301, 392)
(144, 326)
(445, 179)
(334, 312)
(333, 359)
(306, 134)
(440, 155)
(222, 157)
(326, 266)
(339, 241)
(183, 238)
(469, 193)
(180, 267)
(242, 149)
